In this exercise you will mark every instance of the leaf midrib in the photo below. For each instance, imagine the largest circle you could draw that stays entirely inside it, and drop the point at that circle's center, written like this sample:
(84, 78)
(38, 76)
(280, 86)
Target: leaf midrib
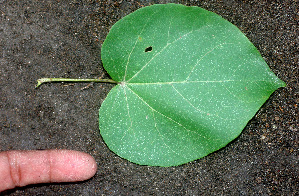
(187, 82)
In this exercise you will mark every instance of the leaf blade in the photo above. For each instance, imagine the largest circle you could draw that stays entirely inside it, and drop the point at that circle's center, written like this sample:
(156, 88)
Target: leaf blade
(191, 94)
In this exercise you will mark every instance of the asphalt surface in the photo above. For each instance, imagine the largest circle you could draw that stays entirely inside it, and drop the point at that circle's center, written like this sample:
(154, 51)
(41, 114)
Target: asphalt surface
(64, 38)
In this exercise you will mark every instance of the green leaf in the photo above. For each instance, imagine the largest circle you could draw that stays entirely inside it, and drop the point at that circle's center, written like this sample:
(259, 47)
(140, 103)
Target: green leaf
(189, 82)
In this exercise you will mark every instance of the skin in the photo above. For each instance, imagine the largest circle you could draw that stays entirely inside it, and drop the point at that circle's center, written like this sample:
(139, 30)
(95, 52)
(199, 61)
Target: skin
(21, 168)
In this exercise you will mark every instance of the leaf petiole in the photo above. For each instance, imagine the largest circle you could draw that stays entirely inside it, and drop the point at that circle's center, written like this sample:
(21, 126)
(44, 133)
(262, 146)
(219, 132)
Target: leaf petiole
(45, 80)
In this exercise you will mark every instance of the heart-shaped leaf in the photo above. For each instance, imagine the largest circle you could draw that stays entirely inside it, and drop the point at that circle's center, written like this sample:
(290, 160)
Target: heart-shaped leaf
(189, 82)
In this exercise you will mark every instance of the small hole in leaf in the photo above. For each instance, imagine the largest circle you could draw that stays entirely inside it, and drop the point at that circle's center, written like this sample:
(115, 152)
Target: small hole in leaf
(148, 49)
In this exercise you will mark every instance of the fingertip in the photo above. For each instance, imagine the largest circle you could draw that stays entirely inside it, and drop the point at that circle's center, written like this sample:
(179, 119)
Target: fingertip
(71, 166)
(20, 168)
(86, 166)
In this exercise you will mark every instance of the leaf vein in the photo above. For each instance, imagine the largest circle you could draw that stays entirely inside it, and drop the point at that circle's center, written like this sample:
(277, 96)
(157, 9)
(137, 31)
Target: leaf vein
(200, 59)
(196, 108)
(167, 146)
(188, 130)
(158, 53)
(128, 109)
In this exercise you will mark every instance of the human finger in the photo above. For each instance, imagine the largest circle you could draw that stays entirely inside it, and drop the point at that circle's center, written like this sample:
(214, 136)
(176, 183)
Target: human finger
(20, 168)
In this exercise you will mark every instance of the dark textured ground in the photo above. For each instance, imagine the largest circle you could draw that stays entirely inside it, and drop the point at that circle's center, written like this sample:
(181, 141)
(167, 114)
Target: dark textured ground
(63, 39)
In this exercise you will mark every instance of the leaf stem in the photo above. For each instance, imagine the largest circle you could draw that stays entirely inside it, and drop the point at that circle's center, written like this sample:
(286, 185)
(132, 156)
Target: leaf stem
(45, 80)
